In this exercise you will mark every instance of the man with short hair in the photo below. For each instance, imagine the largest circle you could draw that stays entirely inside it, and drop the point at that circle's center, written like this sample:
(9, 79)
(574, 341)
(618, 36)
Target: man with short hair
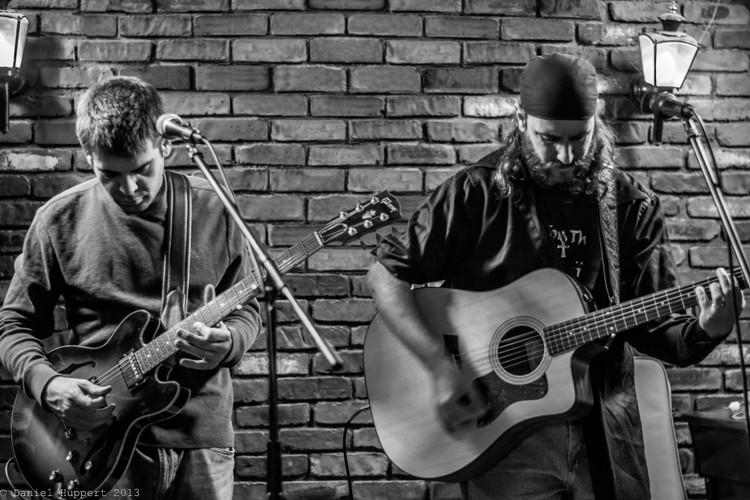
(537, 202)
(101, 247)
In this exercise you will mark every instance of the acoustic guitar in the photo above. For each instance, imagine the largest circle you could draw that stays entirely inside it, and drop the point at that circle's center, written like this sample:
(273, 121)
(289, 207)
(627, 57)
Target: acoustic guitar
(52, 457)
(526, 345)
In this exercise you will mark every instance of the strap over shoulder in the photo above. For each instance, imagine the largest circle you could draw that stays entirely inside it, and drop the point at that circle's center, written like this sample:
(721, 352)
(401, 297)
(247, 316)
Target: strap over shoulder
(177, 241)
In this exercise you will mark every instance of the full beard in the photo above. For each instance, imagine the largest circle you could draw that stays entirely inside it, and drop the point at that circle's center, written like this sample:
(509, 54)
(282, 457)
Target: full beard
(574, 177)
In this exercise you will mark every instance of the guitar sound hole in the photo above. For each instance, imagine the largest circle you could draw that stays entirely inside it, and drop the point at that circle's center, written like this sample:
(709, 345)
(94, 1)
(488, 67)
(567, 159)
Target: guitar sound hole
(520, 351)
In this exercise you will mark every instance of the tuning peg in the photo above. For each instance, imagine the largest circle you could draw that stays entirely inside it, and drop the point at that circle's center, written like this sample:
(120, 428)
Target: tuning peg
(342, 214)
(374, 200)
(359, 207)
(351, 231)
(368, 224)
(384, 217)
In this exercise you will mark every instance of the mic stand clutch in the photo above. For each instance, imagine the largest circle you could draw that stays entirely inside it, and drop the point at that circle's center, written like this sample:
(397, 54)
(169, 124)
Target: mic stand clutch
(272, 285)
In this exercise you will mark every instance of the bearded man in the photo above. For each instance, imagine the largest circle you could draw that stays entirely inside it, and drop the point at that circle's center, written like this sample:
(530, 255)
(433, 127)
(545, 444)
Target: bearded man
(550, 197)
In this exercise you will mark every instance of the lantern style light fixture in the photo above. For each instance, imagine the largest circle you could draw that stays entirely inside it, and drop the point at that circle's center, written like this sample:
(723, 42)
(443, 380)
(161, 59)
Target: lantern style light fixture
(13, 29)
(666, 58)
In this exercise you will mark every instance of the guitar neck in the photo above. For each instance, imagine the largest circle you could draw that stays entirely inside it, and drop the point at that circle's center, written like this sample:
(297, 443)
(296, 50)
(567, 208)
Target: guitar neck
(611, 320)
(163, 346)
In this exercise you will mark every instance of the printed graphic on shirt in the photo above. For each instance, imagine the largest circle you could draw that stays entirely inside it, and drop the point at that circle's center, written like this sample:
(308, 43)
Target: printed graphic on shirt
(571, 247)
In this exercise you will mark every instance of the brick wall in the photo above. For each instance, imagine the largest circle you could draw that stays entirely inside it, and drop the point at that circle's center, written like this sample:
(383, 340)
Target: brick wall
(313, 104)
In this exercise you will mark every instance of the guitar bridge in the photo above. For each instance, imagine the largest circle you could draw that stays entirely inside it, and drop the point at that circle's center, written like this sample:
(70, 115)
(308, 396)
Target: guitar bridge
(130, 370)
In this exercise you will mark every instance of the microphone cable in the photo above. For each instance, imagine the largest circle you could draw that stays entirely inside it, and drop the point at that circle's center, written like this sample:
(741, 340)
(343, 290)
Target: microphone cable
(346, 456)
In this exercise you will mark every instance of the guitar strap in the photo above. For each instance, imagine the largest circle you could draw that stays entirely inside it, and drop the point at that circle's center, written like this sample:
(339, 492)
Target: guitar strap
(609, 239)
(177, 251)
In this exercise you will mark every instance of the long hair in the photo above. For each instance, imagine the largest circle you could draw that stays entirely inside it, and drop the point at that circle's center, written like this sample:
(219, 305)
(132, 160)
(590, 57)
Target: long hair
(512, 168)
(118, 116)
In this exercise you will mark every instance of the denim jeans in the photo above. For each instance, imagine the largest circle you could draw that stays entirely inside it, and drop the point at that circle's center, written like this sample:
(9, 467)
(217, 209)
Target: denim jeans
(550, 464)
(177, 474)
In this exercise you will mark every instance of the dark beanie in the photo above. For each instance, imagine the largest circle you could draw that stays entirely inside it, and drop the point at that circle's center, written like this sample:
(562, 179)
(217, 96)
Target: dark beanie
(559, 87)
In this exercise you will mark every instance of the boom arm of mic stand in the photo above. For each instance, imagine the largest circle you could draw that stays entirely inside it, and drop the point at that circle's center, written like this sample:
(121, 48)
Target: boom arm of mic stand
(272, 274)
(713, 182)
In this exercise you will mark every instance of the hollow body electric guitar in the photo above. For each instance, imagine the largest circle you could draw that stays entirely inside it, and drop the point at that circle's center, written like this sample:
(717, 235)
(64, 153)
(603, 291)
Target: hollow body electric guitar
(52, 457)
(526, 346)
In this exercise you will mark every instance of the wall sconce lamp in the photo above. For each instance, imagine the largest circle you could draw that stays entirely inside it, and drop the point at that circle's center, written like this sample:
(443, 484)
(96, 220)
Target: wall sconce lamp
(13, 29)
(666, 58)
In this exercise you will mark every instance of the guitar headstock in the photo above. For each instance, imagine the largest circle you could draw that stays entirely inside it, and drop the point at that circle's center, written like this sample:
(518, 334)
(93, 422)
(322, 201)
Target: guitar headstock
(379, 211)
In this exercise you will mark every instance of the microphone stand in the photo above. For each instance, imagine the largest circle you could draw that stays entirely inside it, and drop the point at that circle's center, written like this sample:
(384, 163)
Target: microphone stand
(273, 284)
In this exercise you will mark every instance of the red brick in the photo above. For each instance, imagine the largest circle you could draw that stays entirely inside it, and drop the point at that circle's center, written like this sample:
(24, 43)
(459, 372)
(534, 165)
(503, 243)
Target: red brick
(736, 183)
(696, 84)
(55, 132)
(269, 50)
(233, 129)
(71, 24)
(18, 213)
(318, 285)
(403, 490)
(196, 103)
(257, 416)
(704, 207)
(462, 131)
(230, 24)
(733, 85)
(595, 33)
(369, 130)
(13, 185)
(155, 25)
(129, 6)
(50, 47)
(585, 9)
(19, 132)
(192, 50)
(422, 52)
(308, 130)
(489, 106)
(733, 135)
(384, 79)
(719, 14)
(220, 77)
(300, 439)
(42, 160)
(340, 259)
(248, 179)
(695, 379)
(309, 78)
(346, 155)
(462, 27)
(283, 235)
(498, 52)
(25, 105)
(347, 4)
(346, 50)
(421, 154)
(250, 441)
(268, 5)
(360, 464)
(111, 50)
(434, 177)
(426, 5)
(732, 39)
(307, 179)
(180, 157)
(191, 5)
(721, 60)
(501, 7)
(270, 105)
(469, 154)
(650, 157)
(172, 77)
(346, 106)
(469, 80)
(397, 179)
(43, 4)
(307, 24)
(737, 158)
(315, 388)
(640, 12)
(537, 29)
(631, 132)
(271, 154)
(423, 106)
(385, 24)
(693, 230)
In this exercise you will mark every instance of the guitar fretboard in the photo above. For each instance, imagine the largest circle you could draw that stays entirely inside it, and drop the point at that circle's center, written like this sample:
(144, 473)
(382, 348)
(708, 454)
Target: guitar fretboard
(163, 346)
(573, 333)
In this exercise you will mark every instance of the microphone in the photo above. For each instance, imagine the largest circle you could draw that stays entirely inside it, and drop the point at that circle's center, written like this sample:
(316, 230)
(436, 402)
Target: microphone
(662, 104)
(171, 126)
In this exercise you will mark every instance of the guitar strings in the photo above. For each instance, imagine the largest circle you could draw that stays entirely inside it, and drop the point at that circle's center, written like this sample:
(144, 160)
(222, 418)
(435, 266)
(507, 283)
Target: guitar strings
(114, 374)
(557, 333)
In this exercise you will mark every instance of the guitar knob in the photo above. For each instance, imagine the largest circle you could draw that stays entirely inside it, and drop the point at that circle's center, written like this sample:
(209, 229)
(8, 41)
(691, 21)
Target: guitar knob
(70, 433)
(88, 465)
(55, 476)
(71, 456)
(73, 484)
